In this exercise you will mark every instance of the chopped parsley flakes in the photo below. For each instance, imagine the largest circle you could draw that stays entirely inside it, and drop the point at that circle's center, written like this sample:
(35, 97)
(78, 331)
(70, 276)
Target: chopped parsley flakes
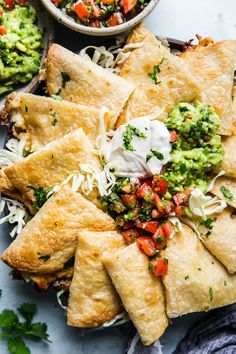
(40, 196)
(156, 70)
(208, 223)
(128, 134)
(155, 153)
(226, 192)
(54, 122)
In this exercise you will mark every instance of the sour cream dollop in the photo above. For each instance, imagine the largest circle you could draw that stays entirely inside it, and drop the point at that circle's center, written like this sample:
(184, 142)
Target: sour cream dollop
(149, 152)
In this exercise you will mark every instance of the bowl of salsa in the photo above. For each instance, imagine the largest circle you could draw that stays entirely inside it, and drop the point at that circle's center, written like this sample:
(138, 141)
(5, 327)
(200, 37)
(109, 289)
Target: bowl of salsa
(100, 17)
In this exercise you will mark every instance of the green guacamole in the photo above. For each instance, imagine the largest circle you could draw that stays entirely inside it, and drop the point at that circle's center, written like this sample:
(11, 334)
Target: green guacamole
(20, 47)
(198, 149)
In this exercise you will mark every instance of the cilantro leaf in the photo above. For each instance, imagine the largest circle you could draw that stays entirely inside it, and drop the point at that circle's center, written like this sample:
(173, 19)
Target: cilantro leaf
(17, 346)
(40, 195)
(27, 311)
(158, 154)
(128, 134)
(226, 192)
(156, 70)
(8, 319)
(38, 331)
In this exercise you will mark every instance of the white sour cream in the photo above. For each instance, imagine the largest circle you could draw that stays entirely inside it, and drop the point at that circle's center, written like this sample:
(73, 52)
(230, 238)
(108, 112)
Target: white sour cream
(134, 163)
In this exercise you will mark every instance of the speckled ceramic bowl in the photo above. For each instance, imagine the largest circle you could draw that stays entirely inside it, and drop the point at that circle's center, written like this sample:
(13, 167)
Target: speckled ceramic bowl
(105, 31)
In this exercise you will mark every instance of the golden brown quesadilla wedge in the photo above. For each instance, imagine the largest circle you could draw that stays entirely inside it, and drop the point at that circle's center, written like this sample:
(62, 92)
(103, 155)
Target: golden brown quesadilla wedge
(213, 65)
(49, 239)
(228, 164)
(49, 166)
(79, 80)
(40, 120)
(220, 239)
(195, 281)
(140, 291)
(225, 188)
(161, 78)
(93, 299)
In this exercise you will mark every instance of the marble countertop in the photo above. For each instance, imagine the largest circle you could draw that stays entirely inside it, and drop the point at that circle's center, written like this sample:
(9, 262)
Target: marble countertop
(180, 19)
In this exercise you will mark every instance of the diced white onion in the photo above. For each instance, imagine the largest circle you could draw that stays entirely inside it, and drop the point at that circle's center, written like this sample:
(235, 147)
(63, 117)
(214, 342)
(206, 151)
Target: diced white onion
(203, 205)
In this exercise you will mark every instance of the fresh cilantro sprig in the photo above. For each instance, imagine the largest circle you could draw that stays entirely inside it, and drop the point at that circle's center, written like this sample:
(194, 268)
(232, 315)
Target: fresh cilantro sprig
(156, 70)
(41, 196)
(226, 192)
(128, 134)
(13, 329)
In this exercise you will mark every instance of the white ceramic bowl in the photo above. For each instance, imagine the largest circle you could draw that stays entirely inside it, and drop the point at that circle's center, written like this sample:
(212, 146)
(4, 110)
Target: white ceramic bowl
(105, 31)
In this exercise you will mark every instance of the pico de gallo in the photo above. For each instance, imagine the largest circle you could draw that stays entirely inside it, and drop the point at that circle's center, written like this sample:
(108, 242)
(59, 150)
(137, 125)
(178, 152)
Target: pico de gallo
(101, 13)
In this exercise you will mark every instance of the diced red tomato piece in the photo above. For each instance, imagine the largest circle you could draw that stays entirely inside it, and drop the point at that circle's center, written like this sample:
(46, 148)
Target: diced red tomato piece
(146, 245)
(182, 197)
(145, 192)
(155, 214)
(169, 207)
(57, 1)
(129, 200)
(130, 235)
(159, 239)
(150, 226)
(95, 23)
(159, 185)
(159, 203)
(108, 2)
(167, 228)
(179, 211)
(159, 266)
(128, 5)
(9, 4)
(115, 19)
(131, 187)
(82, 12)
(96, 11)
(3, 30)
(173, 136)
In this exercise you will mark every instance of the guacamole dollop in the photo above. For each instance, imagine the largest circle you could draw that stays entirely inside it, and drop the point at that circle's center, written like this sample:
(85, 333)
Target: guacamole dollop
(198, 149)
(20, 46)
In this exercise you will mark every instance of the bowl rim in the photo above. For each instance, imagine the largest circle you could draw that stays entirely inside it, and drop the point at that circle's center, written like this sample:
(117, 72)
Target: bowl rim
(69, 22)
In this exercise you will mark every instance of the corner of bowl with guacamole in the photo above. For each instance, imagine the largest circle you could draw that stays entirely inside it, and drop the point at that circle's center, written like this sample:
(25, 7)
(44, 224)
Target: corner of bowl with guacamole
(20, 44)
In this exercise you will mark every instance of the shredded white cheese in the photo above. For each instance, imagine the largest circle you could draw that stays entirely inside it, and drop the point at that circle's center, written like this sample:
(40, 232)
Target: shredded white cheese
(13, 153)
(59, 293)
(17, 215)
(133, 344)
(203, 205)
(117, 320)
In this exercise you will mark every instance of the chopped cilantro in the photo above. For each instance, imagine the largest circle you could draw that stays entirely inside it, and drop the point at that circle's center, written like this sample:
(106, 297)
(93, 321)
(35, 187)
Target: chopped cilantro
(151, 266)
(40, 195)
(158, 154)
(57, 96)
(156, 70)
(54, 122)
(148, 157)
(225, 283)
(211, 294)
(166, 261)
(159, 240)
(226, 192)
(128, 134)
(13, 329)
(65, 79)
(187, 277)
(208, 223)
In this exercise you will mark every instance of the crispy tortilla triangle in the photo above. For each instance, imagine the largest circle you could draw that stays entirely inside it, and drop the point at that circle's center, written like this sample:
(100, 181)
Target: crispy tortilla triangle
(40, 120)
(49, 166)
(49, 239)
(213, 65)
(221, 240)
(195, 281)
(141, 293)
(228, 163)
(228, 183)
(93, 299)
(86, 83)
(161, 78)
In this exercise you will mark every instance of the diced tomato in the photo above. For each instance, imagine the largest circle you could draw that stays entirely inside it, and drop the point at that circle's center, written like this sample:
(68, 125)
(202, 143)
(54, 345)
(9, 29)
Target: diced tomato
(150, 226)
(155, 214)
(108, 2)
(96, 11)
(159, 239)
(57, 1)
(3, 30)
(1, 12)
(182, 197)
(115, 19)
(130, 235)
(159, 203)
(159, 266)
(82, 12)
(173, 136)
(146, 245)
(167, 228)
(129, 200)
(145, 192)
(128, 5)
(159, 185)
(179, 210)
(131, 187)
(9, 4)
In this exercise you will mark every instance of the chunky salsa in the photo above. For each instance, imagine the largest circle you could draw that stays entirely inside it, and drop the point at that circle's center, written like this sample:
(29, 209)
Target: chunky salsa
(101, 13)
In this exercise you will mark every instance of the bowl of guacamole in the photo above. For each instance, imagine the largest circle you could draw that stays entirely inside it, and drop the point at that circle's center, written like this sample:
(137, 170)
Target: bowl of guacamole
(26, 33)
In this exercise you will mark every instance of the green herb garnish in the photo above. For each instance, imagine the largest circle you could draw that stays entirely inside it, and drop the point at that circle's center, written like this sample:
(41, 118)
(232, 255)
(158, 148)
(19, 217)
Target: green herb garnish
(13, 329)
(157, 154)
(40, 195)
(166, 261)
(54, 122)
(57, 96)
(151, 266)
(156, 70)
(159, 240)
(187, 277)
(226, 192)
(128, 134)
(208, 223)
